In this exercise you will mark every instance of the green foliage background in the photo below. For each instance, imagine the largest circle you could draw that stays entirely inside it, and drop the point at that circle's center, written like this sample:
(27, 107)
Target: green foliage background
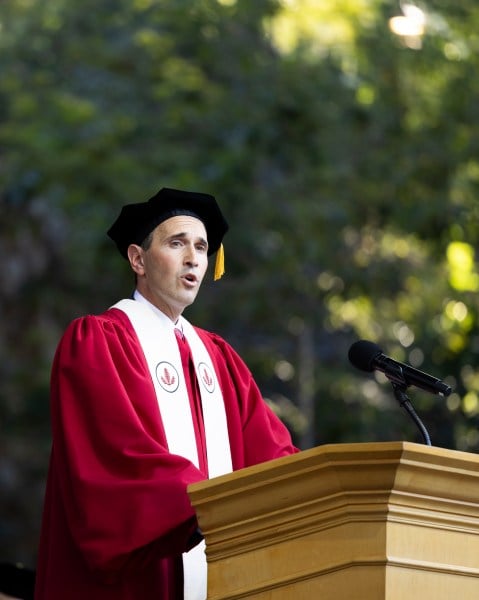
(348, 171)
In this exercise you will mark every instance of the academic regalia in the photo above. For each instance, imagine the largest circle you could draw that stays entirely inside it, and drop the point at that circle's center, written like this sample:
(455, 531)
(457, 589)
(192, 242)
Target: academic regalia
(117, 515)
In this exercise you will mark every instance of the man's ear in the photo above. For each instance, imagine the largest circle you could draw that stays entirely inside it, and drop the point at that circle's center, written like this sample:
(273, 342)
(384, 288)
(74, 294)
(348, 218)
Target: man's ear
(135, 256)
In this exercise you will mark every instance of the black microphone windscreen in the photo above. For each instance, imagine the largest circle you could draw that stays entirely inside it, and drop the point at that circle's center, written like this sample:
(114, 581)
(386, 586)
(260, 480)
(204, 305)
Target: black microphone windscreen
(362, 354)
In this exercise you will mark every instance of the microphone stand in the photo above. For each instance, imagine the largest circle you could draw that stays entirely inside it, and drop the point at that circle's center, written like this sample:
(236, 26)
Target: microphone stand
(401, 397)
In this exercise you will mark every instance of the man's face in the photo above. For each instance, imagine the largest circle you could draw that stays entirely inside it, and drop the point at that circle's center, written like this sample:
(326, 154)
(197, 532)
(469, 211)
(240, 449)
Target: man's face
(170, 272)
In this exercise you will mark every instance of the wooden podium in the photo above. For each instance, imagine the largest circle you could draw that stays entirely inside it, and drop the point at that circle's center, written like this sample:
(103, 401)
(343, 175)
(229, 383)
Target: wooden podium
(372, 521)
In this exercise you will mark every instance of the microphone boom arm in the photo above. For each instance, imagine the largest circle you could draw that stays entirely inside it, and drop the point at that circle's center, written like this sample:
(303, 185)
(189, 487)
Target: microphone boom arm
(402, 398)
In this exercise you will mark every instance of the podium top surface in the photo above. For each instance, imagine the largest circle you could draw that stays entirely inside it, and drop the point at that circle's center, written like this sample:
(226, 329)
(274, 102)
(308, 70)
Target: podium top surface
(353, 468)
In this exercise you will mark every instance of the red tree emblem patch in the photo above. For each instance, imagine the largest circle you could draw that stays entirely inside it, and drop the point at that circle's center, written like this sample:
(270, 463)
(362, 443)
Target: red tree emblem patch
(206, 377)
(167, 376)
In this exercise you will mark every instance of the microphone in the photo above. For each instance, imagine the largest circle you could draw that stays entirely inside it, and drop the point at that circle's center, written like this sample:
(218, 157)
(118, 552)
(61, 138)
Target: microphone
(367, 356)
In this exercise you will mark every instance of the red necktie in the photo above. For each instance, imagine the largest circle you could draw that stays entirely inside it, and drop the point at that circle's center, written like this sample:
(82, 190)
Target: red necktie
(194, 396)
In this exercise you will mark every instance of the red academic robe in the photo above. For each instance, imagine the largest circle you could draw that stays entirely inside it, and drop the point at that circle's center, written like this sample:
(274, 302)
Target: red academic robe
(117, 515)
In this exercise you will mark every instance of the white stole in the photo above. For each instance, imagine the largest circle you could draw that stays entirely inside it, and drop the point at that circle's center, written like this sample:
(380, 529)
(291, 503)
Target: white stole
(156, 334)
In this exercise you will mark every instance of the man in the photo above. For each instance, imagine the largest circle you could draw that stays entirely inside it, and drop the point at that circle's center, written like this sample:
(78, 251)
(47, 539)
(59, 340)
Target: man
(144, 404)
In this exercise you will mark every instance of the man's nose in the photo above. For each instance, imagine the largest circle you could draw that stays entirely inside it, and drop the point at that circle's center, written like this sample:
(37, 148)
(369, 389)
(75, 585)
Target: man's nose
(191, 256)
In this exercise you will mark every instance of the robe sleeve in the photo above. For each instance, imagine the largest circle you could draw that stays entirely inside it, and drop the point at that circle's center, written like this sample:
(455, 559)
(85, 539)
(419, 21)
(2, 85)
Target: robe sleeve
(124, 494)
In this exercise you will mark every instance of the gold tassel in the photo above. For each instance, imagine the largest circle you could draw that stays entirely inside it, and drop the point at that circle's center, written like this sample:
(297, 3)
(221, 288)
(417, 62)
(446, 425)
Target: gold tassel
(220, 263)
